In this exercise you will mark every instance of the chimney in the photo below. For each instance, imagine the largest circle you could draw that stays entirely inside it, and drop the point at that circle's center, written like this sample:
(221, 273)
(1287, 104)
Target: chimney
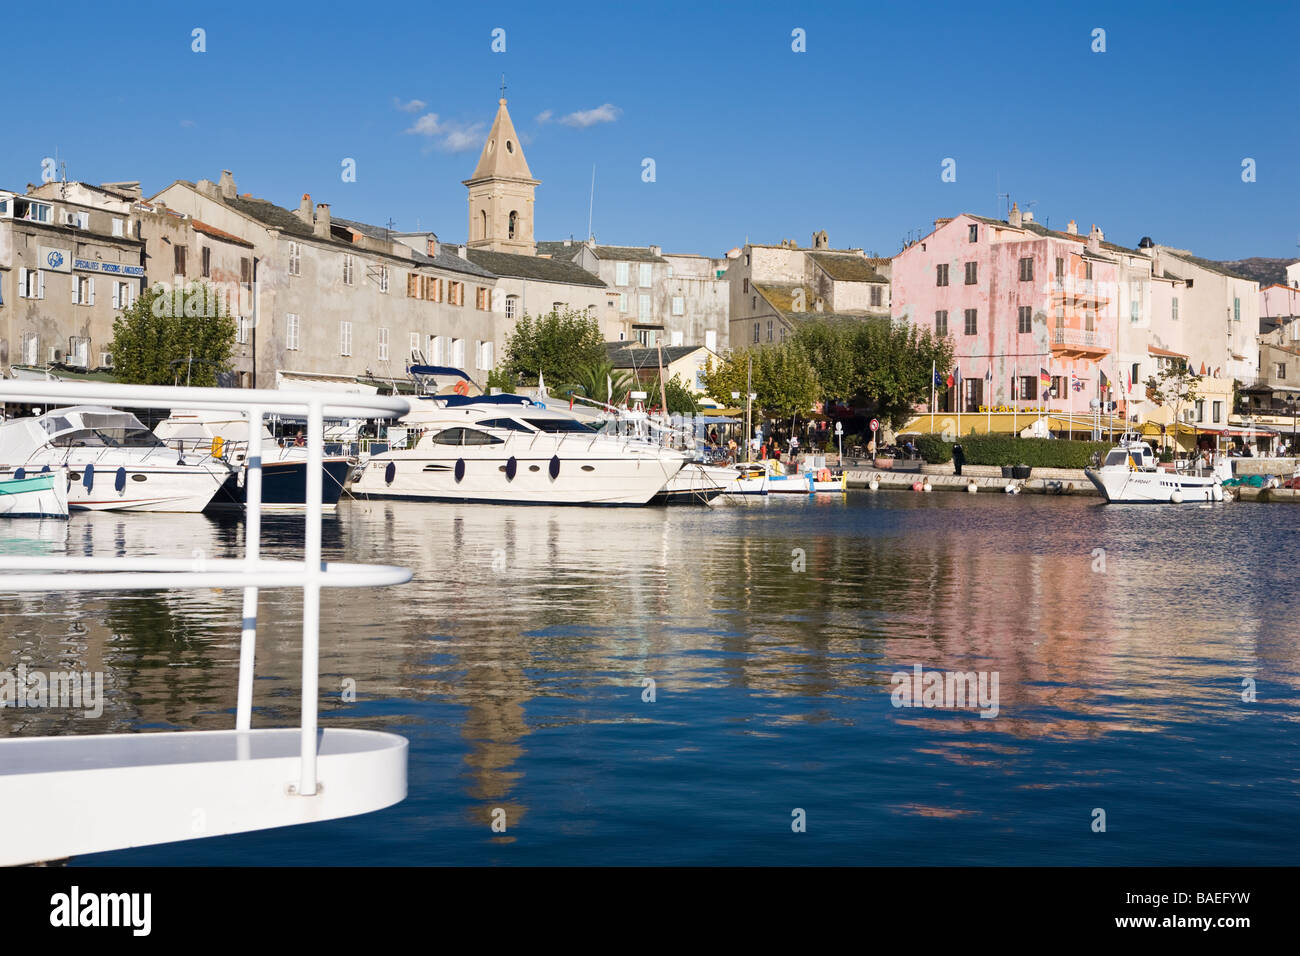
(227, 185)
(322, 224)
(940, 223)
(207, 187)
(460, 251)
(304, 209)
(1013, 217)
(656, 251)
(1027, 216)
(1072, 228)
(1094, 238)
(820, 240)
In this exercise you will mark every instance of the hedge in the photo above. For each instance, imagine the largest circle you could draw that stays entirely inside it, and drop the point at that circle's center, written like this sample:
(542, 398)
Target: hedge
(1006, 450)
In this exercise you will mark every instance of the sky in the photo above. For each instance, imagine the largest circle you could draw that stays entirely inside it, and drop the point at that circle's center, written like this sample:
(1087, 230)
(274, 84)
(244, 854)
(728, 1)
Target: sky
(749, 138)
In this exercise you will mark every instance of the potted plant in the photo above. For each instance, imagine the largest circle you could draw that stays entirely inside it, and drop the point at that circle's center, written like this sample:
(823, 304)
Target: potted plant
(1021, 471)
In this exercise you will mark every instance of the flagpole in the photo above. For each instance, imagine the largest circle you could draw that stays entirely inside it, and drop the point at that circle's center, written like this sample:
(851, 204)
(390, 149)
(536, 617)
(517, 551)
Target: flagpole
(988, 402)
(934, 371)
(1015, 399)
(959, 402)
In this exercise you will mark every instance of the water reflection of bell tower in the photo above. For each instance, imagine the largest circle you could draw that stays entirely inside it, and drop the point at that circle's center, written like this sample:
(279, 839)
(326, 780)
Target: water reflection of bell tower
(501, 192)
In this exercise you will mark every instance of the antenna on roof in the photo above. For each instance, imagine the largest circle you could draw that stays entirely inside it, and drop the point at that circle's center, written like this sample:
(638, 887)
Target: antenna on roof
(503, 86)
(592, 204)
(388, 230)
(1002, 196)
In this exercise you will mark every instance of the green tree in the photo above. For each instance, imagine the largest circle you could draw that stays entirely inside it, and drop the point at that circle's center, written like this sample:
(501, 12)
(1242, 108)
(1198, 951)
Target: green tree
(556, 345)
(1175, 385)
(598, 378)
(681, 400)
(168, 335)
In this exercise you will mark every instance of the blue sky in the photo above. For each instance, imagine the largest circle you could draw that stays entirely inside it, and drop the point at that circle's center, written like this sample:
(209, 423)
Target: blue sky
(749, 138)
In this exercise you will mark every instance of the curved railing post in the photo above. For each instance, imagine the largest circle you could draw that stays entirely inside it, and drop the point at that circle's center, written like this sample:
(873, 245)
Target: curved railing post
(311, 597)
(252, 551)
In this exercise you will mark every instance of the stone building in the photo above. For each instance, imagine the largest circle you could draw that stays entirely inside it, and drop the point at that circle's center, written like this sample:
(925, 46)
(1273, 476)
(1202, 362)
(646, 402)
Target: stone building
(69, 258)
(774, 287)
(655, 298)
(340, 300)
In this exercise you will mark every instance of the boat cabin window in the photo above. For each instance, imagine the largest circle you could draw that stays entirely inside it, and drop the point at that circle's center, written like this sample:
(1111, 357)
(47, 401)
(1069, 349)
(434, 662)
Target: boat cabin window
(464, 436)
(108, 437)
(507, 423)
(559, 425)
(1119, 458)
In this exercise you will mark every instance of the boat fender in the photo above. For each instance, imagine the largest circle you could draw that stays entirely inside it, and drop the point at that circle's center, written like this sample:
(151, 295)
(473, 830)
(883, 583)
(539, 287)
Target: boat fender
(972, 488)
(460, 469)
(512, 466)
(874, 483)
(555, 467)
(1176, 497)
(88, 479)
(19, 473)
(916, 486)
(927, 487)
(45, 469)
(119, 480)
(390, 472)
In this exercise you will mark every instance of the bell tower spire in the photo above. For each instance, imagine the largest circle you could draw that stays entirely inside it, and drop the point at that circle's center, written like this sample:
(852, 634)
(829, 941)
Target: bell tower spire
(501, 191)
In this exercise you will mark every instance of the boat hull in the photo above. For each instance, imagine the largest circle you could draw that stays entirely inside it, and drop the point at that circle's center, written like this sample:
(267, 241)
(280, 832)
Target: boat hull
(284, 485)
(1125, 486)
(804, 484)
(41, 496)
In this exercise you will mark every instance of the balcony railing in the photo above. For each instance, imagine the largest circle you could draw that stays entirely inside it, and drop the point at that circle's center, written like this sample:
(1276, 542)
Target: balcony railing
(1078, 337)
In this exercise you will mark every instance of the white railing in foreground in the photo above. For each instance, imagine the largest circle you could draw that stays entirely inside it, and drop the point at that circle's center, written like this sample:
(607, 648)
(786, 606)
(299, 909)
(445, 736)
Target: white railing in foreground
(250, 573)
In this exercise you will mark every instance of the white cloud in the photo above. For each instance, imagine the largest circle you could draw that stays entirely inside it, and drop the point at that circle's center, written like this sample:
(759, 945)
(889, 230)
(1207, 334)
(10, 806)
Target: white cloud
(188, 124)
(601, 114)
(410, 106)
(543, 117)
(452, 137)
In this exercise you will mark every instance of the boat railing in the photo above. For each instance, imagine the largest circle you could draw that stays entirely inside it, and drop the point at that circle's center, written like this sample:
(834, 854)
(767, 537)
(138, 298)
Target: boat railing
(36, 774)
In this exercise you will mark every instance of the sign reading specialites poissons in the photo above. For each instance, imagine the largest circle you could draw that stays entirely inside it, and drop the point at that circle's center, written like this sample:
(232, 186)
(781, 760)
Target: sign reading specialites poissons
(108, 268)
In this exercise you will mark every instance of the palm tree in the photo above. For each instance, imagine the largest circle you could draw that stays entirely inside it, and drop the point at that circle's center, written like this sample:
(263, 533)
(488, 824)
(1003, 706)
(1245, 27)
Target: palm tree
(601, 381)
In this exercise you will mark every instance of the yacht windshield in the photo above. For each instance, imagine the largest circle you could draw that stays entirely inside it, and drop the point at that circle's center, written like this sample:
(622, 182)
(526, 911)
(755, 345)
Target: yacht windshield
(560, 425)
(109, 437)
(507, 423)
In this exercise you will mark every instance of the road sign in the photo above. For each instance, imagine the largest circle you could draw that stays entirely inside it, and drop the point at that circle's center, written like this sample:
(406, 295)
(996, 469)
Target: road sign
(875, 425)
(839, 428)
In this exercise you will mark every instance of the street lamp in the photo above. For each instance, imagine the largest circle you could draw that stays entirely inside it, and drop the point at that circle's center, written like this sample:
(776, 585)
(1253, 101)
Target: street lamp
(1293, 408)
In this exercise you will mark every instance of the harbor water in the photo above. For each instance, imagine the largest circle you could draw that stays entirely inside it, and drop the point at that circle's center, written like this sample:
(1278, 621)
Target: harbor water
(716, 685)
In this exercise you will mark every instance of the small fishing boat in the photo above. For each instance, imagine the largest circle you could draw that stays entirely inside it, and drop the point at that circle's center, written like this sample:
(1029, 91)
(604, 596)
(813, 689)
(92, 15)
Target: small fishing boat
(696, 484)
(806, 482)
(43, 495)
(1129, 475)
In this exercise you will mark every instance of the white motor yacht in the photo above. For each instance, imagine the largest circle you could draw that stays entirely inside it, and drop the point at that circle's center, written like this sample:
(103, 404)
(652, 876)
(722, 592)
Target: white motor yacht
(113, 461)
(1129, 475)
(511, 449)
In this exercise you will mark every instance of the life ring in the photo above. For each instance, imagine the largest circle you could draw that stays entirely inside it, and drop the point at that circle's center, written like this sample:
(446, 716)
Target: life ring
(823, 474)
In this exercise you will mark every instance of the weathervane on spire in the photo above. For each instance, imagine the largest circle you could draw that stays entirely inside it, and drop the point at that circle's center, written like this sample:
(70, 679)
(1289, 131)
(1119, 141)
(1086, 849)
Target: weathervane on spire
(503, 86)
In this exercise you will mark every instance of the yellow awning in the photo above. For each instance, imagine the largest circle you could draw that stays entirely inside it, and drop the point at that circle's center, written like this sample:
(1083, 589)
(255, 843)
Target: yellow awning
(1006, 423)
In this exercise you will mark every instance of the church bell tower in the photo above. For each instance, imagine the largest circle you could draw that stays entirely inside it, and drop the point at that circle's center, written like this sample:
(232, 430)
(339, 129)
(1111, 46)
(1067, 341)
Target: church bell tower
(501, 192)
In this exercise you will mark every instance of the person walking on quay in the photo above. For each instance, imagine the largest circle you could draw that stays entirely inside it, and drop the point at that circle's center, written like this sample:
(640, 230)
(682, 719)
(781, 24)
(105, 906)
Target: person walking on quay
(958, 459)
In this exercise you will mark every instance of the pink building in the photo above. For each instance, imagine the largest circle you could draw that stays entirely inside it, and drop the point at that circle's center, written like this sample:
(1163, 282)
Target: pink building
(1017, 300)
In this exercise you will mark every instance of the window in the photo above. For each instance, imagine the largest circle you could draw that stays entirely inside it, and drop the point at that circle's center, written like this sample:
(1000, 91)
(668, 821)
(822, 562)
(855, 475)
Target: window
(83, 290)
(1058, 385)
(1089, 320)
(455, 294)
(383, 278)
(1060, 267)
(349, 268)
(31, 284)
(383, 345)
(512, 306)
(514, 218)
(345, 338)
(974, 233)
(679, 305)
(179, 255)
(291, 331)
(1173, 309)
(643, 308)
(769, 330)
(1060, 316)
(756, 332)
(1236, 309)
(1200, 409)
(246, 270)
(1087, 270)
(941, 274)
(972, 323)
(1218, 412)
(972, 273)
(118, 227)
(876, 295)
(620, 273)
(34, 212)
(941, 323)
(458, 353)
(437, 349)
(79, 351)
(1028, 388)
(1133, 373)
(745, 287)
(482, 299)
(464, 436)
(123, 295)
(295, 260)
(485, 356)
(622, 303)
(1027, 270)
(412, 285)
(646, 270)
(1135, 302)
(1025, 319)
(432, 289)
(415, 344)
(1281, 370)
